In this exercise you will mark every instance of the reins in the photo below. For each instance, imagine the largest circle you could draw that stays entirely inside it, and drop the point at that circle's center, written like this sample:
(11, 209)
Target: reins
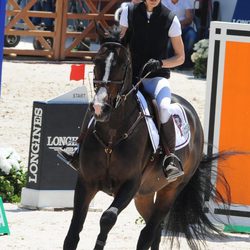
(108, 147)
(123, 98)
(135, 87)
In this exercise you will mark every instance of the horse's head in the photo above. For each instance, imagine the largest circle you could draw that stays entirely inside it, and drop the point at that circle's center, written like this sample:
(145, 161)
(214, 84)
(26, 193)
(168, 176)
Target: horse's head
(112, 74)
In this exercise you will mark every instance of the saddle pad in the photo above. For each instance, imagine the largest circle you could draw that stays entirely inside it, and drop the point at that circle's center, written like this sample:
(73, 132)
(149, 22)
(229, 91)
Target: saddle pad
(182, 129)
(152, 130)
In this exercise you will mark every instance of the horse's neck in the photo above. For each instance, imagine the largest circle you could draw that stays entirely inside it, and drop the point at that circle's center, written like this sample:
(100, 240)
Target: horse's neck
(121, 119)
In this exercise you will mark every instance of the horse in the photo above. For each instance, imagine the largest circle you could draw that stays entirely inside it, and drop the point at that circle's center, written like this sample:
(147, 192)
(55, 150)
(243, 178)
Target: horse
(116, 157)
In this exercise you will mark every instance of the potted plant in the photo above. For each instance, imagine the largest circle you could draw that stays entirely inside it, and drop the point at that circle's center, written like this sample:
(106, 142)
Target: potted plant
(12, 175)
(199, 58)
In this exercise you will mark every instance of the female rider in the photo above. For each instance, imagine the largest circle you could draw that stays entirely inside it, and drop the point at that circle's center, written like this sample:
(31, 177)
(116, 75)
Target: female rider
(147, 27)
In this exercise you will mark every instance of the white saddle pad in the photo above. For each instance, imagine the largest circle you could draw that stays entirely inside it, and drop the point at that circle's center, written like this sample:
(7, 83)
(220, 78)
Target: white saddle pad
(152, 130)
(182, 129)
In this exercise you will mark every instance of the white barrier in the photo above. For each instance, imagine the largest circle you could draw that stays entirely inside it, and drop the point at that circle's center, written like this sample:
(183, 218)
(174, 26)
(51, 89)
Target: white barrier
(228, 114)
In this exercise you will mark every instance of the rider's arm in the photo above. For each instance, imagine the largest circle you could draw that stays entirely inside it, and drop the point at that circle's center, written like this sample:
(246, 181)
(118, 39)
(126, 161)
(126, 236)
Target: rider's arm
(123, 31)
(124, 21)
(179, 54)
(177, 44)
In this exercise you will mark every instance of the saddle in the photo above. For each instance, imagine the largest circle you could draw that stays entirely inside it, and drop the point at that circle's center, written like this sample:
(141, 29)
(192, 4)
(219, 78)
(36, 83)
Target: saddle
(149, 108)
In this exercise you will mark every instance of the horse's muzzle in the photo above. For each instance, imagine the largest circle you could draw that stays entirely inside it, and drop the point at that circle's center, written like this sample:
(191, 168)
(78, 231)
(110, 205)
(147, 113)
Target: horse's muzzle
(101, 112)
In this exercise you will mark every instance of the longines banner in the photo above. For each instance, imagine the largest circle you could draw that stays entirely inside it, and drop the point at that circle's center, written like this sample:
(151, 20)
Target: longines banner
(242, 12)
(236, 11)
(53, 126)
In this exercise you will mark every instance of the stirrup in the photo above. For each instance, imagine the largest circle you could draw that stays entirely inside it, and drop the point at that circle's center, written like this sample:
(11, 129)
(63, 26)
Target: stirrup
(171, 171)
(67, 158)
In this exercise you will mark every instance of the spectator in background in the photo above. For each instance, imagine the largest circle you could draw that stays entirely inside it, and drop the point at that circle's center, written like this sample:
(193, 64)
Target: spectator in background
(183, 9)
(44, 5)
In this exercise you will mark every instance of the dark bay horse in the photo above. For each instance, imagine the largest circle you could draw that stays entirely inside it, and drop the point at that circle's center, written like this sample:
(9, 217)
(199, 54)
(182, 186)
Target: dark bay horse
(116, 158)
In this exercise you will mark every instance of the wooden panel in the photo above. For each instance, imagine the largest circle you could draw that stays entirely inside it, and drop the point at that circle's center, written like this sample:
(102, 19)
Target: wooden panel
(20, 15)
(15, 52)
(32, 13)
(98, 10)
(30, 33)
(58, 29)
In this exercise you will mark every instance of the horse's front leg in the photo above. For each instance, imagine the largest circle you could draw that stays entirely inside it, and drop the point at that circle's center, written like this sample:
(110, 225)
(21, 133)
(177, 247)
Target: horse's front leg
(109, 217)
(82, 198)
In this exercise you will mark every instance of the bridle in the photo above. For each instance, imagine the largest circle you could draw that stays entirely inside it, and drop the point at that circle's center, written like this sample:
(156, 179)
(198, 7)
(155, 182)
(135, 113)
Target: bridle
(121, 97)
(116, 44)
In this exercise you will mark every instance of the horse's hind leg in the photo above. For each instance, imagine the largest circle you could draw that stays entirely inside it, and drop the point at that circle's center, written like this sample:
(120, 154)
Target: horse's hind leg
(145, 206)
(109, 217)
(150, 235)
(157, 239)
(82, 198)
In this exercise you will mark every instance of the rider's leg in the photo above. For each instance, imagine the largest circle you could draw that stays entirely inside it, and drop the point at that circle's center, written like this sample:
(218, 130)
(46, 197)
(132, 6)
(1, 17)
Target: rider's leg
(171, 164)
(72, 159)
(159, 89)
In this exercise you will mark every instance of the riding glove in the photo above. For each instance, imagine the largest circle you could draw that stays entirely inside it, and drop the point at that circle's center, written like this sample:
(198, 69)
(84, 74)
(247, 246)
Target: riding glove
(152, 65)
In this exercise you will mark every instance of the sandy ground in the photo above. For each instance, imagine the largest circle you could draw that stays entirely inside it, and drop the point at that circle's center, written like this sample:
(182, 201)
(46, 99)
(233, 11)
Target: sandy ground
(24, 83)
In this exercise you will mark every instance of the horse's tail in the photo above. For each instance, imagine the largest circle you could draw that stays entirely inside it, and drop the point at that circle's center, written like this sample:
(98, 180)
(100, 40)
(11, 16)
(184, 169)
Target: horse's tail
(188, 215)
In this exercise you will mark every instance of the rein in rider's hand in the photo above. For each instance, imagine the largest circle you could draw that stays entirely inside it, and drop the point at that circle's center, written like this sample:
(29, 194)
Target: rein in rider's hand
(152, 65)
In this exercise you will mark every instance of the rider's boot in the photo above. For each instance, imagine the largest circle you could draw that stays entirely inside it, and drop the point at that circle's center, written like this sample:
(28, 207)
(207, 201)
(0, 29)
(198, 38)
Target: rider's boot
(72, 158)
(172, 166)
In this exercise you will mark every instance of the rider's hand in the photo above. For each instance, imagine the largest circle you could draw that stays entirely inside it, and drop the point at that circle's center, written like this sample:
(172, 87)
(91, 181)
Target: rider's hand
(151, 66)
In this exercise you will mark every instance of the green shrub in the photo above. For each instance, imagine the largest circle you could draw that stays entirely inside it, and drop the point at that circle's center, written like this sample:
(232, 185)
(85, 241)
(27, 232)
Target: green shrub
(199, 57)
(12, 175)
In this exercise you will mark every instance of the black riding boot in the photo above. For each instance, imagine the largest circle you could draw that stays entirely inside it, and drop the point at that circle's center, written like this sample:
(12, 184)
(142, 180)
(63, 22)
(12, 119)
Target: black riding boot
(172, 166)
(72, 158)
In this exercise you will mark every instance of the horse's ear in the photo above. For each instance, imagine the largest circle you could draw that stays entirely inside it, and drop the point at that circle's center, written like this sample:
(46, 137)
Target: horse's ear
(101, 32)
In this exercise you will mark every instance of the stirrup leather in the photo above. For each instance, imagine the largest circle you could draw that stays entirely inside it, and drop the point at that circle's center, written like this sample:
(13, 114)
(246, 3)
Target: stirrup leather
(171, 171)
